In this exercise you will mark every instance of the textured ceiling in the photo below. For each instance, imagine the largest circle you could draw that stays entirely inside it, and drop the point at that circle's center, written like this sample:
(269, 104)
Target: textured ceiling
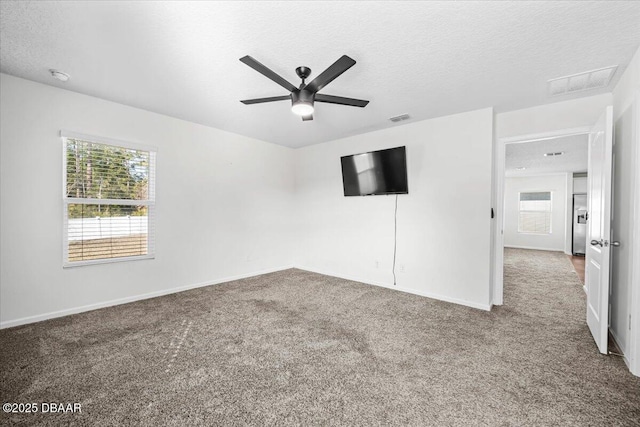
(530, 155)
(426, 59)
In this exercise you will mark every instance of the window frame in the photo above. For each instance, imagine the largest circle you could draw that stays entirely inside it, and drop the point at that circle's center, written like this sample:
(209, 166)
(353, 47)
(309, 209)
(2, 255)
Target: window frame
(550, 211)
(150, 202)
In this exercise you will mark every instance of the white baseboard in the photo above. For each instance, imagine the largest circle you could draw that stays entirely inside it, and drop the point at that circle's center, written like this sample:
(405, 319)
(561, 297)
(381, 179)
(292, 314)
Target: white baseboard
(90, 307)
(534, 248)
(623, 350)
(485, 307)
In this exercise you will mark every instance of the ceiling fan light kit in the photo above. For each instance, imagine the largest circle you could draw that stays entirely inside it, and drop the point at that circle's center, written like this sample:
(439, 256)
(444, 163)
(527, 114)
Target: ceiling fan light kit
(302, 102)
(304, 97)
(302, 108)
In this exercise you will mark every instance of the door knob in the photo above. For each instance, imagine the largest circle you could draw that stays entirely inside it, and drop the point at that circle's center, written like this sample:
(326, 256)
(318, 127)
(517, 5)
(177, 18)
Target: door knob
(597, 243)
(615, 243)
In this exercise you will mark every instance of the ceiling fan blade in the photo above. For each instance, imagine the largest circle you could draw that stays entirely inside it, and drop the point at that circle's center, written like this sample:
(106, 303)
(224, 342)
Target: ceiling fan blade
(328, 75)
(267, 73)
(270, 99)
(306, 118)
(340, 100)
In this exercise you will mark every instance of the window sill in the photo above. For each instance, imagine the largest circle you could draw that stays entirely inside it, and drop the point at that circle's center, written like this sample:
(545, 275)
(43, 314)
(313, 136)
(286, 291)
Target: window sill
(106, 261)
(534, 233)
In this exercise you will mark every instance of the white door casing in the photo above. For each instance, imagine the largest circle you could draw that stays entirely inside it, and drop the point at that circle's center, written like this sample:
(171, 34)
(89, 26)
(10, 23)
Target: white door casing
(599, 191)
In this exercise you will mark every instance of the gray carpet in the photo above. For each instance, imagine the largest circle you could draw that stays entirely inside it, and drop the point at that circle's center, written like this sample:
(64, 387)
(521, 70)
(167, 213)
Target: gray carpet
(297, 348)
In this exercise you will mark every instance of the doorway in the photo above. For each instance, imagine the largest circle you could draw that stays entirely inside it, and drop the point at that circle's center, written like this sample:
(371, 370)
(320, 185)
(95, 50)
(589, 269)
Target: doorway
(538, 176)
(599, 230)
(543, 180)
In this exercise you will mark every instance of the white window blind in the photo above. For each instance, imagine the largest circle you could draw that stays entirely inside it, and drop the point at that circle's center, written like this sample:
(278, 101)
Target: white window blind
(109, 200)
(535, 212)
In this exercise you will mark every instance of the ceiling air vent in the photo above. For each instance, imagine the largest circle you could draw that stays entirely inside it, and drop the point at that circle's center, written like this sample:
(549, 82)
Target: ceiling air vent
(400, 118)
(593, 79)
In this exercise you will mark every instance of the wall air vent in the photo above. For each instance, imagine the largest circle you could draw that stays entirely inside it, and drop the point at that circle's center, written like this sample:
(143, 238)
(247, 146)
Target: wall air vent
(400, 118)
(593, 79)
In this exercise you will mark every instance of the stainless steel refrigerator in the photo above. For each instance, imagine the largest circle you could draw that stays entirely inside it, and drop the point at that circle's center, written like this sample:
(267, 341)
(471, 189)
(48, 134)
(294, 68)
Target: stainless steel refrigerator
(580, 217)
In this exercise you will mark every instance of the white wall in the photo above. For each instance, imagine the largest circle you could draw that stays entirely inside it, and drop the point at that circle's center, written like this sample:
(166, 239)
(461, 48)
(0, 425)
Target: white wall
(237, 193)
(240, 195)
(576, 113)
(625, 283)
(580, 185)
(443, 244)
(557, 184)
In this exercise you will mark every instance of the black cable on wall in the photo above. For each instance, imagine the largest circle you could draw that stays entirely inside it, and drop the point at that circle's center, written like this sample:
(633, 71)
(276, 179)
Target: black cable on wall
(395, 239)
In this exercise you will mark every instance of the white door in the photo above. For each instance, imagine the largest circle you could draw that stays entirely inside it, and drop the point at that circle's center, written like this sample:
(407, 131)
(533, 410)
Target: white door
(599, 228)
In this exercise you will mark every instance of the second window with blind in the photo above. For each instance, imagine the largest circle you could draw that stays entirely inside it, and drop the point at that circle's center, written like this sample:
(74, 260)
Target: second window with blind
(534, 212)
(109, 200)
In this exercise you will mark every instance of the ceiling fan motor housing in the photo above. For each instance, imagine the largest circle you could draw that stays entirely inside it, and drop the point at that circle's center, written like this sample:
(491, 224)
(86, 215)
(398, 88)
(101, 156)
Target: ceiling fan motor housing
(302, 96)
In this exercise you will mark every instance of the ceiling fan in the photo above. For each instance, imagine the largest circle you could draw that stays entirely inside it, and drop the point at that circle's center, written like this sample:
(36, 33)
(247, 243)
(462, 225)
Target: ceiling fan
(303, 98)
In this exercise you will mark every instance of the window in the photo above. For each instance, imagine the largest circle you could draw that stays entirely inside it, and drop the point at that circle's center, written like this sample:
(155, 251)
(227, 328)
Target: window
(535, 213)
(109, 200)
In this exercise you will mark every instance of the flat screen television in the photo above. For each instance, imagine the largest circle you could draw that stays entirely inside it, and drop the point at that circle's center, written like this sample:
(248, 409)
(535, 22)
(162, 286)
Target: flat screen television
(375, 173)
